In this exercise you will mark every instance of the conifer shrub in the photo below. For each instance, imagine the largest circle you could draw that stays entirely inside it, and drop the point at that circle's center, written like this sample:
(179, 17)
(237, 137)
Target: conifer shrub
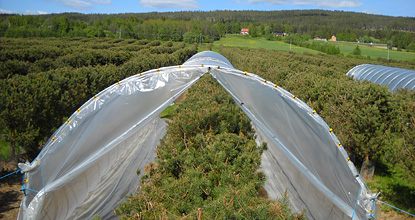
(357, 51)
(44, 80)
(207, 165)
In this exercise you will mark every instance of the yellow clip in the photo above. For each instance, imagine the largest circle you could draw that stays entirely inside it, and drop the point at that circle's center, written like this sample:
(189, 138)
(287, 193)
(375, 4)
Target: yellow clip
(141, 74)
(202, 65)
(246, 73)
(25, 180)
(53, 139)
(265, 81)
(95, 97)
(348, 159)
(339, 145)
(158, 70)
(314, 111)
(371, 211)
(180, 67)
(331, 130)
(118, 83)
(276, 86)
(218, 67)
(69, 121)
(294, 97)
(79, 110)
(36, 160)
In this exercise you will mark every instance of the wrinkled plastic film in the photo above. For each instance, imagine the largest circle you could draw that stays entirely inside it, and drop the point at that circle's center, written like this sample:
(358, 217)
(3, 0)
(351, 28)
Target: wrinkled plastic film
(303, 155)
(90, 163)
(209, 58)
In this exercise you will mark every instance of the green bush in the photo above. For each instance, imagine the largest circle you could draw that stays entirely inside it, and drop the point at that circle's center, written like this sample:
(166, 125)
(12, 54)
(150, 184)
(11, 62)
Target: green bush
(207, 165)
(43, 80)
(357, 51)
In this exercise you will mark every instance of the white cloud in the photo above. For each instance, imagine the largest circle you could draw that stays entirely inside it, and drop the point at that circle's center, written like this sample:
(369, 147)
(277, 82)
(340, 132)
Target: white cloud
(319, 3)
(305, 2)
(236, 1)
(102, 2)
(2, 11)
(339, 4)
(371, 11)
(27, 12)
(271, 2)
(158, 4)
(82, 4)
(77, 4)
(30, 12)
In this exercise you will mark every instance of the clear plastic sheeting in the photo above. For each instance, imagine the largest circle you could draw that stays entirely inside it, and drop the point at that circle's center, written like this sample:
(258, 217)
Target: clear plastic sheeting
(304, 157)
(394, 78)
(209, 58)
(90, 164)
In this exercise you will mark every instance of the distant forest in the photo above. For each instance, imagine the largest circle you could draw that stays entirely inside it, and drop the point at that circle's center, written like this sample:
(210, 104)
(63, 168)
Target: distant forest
(193, 26)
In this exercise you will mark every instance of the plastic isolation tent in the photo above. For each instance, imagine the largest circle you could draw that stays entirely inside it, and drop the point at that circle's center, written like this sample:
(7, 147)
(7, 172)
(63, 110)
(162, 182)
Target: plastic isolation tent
(90, 163)
(394, 78)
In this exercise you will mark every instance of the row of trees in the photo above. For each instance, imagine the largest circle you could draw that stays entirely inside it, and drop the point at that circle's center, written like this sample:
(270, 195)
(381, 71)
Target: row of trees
(133, 27)
(46, 87)
(206, 166)
(322, 46)
(371, 122)
(188, 26)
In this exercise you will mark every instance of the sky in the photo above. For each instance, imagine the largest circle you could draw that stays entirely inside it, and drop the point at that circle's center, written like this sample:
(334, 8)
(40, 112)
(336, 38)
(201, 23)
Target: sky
(405, 8)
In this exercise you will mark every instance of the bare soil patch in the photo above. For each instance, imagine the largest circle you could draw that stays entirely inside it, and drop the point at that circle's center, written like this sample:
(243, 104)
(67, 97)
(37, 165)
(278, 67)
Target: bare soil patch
(10, 195)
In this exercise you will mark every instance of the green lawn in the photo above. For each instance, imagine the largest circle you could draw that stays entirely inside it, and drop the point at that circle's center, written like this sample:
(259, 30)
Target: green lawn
(373, 52)
(237, 40)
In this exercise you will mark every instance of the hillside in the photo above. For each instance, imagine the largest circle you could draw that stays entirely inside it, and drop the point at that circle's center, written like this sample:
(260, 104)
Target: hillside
(342, 19)
(192, 26)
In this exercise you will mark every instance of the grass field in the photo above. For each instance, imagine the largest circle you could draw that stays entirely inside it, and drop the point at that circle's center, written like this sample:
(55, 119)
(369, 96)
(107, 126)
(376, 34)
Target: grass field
(237, 40)
(374, 52)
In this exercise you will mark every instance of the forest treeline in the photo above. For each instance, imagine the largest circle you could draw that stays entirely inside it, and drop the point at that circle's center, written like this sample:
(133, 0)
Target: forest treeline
(193, 26)
(43, 81)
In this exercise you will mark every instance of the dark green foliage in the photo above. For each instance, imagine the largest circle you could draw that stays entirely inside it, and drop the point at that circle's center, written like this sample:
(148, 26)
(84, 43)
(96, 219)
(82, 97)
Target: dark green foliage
(252, 30)
(77, 25)
(206, 166)
(45, 80)
(13, 67)
(303, 41)
(191, 37)
(357, 51)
